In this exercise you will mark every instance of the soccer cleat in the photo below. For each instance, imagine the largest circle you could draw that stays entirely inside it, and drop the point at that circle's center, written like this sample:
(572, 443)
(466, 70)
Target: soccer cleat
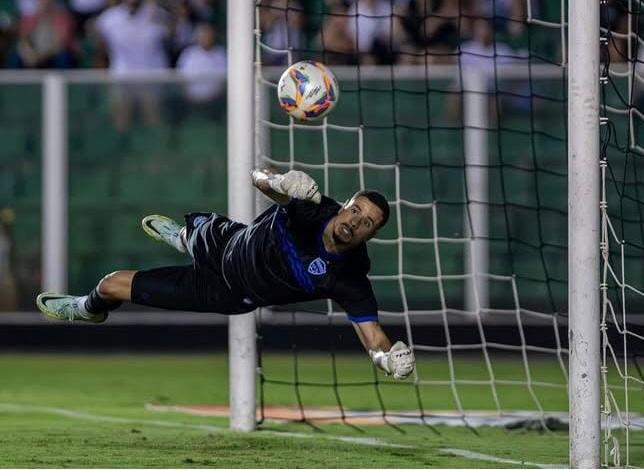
(66, 307)
(164, 229)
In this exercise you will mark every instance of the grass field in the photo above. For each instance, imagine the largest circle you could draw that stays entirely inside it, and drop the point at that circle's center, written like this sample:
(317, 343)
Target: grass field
(88, 411)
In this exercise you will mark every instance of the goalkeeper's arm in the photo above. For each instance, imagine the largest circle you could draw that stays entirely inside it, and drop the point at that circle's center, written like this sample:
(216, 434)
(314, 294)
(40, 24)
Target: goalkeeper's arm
(397, 360)
(281, 188)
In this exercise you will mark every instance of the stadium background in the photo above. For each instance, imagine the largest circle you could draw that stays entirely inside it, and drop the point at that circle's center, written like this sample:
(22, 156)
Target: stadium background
(180, 156)
(176, 163)
(113, 173)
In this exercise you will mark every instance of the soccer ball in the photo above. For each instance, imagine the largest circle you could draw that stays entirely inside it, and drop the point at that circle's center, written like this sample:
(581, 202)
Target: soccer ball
(308, 90)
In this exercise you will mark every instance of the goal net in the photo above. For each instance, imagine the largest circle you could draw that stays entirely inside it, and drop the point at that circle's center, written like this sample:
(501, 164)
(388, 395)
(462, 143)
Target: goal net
(457, 113)
(622, 228)
(472, 159)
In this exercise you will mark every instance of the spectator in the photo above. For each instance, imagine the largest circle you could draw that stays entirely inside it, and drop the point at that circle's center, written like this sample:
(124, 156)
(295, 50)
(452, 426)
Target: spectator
(509, 15)
(83, 11)
(282, 26)
(133, 35)
(46, 38)
(184, 27)
(205, 62)
(335, 38)
(211, 11)
(432, 30)
(370, 28)
(482, 50)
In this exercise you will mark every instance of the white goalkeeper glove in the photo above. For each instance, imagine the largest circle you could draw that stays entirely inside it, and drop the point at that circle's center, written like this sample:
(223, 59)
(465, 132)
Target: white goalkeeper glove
(295, 184)
(399, 361)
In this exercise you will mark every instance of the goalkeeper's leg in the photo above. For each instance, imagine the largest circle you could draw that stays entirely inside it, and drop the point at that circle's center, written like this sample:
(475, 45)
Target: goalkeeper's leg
(173, 288)
(108, 295)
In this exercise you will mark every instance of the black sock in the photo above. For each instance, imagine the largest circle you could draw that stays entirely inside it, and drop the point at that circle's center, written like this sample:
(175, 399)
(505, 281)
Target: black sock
(97, 304)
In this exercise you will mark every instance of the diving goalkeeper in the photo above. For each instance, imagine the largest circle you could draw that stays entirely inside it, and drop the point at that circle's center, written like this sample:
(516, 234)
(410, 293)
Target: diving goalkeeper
(304, 247)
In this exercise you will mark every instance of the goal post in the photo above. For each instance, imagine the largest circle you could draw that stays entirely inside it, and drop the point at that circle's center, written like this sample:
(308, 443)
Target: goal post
(241, 329)
(584, 234)
(54, 183)
(475, 116)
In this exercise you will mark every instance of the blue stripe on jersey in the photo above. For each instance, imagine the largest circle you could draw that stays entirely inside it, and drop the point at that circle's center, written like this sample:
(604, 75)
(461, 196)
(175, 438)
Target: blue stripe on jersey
(288, 248)
(362, 318)
(322, 249)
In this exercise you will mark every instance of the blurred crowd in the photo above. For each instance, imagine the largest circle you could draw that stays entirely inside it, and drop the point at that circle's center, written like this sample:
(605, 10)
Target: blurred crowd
(394, 31)
(189, 34)
(122, 35)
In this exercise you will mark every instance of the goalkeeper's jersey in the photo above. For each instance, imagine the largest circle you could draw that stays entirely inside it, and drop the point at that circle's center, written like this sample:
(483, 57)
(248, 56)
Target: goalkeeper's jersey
(280, 258)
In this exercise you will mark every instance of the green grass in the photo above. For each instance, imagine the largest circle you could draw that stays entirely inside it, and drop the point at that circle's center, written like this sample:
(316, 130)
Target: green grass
(356, 389)
(116, 431)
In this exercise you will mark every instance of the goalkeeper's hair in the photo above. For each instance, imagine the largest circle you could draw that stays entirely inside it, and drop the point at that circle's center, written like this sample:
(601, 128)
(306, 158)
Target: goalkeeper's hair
(376, 198)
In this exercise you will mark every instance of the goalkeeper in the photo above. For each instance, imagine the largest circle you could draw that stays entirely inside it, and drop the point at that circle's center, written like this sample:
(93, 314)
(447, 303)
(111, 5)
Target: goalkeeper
(305, 247)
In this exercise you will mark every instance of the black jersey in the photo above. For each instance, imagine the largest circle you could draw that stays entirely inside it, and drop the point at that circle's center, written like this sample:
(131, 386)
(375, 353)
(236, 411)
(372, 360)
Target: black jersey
(280, 258)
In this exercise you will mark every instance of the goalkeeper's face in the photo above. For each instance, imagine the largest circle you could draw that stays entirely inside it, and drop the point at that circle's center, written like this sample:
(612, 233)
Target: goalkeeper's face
(356, 222)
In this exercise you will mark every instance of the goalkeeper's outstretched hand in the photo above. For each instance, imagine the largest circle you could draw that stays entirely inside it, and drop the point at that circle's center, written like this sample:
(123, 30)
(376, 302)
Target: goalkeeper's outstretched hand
(398, 362)
(294, 184)
(299, 185)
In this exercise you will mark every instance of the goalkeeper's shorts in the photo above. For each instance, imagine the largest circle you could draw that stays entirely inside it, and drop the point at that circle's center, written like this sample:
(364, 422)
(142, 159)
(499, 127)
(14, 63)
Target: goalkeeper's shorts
(200, 287)
(207, 235)
(187, 288)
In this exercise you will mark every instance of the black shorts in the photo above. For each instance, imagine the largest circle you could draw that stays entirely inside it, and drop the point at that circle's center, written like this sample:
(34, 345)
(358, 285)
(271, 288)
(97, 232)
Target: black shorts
(186, 288)
(200, 287)
(207, 235)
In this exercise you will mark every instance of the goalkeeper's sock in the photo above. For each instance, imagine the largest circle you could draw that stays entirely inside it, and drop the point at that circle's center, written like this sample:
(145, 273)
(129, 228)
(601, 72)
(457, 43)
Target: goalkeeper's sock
(94, 303)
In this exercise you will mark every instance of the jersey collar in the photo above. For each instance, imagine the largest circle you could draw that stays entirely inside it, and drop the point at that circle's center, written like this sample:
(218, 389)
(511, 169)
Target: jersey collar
(322, 249)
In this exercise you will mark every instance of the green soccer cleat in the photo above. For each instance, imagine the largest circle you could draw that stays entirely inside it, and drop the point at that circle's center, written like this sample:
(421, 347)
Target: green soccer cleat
(66, 307)
(164, 229)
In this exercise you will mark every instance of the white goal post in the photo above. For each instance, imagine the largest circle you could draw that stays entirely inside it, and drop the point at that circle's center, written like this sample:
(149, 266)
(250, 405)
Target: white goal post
(583, 234)
(242, 355)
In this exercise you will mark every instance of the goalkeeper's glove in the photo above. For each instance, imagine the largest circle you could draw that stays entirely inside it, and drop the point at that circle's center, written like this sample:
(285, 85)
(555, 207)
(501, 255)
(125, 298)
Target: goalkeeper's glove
(399, 361)
(295, 184)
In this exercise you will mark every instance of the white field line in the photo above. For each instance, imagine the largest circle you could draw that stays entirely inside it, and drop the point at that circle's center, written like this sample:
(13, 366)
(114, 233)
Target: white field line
(468, 454)
(15, 408)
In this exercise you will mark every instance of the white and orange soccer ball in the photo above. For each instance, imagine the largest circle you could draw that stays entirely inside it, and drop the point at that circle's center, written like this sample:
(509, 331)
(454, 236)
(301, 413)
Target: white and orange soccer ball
(308, 90)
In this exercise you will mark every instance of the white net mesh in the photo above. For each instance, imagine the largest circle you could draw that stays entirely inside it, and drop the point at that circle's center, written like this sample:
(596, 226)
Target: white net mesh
(467, 140)
(622, 240)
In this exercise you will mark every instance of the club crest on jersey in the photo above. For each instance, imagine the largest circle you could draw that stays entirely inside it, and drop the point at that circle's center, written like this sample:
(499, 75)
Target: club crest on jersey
(317, 267)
